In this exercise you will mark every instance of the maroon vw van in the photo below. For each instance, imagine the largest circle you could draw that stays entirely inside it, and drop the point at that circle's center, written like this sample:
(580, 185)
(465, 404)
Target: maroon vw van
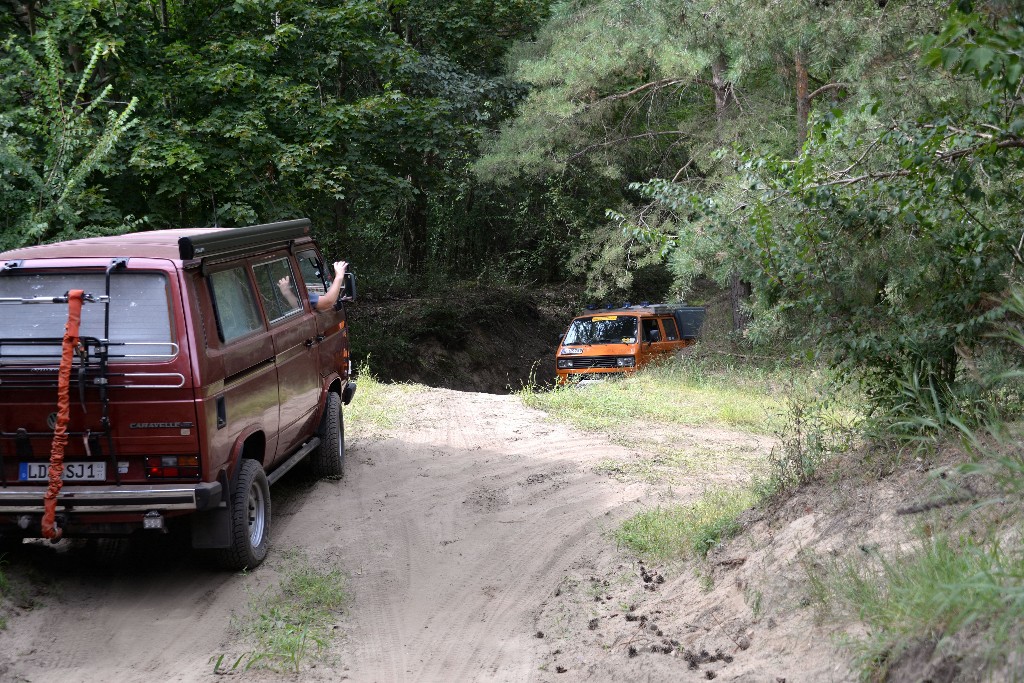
(200, 374)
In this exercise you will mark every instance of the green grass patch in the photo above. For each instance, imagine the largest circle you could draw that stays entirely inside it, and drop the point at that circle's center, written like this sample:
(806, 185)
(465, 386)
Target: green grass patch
(686, 531)
(667, 465)
(679, 393)
(945, 588)
(291, 623)
(377, 405)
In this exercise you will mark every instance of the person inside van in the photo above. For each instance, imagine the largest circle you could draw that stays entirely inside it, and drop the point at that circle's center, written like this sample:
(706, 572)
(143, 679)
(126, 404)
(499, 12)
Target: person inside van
(319, 302)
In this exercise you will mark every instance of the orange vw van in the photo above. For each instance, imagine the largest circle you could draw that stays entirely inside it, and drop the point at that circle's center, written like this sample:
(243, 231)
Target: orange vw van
(624, 339)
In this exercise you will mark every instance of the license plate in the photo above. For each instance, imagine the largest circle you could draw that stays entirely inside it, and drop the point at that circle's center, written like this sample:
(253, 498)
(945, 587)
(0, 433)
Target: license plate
(73, 471)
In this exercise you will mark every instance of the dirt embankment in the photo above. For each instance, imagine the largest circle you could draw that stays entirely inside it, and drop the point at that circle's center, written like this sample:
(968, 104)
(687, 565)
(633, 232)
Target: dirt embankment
(469, 339)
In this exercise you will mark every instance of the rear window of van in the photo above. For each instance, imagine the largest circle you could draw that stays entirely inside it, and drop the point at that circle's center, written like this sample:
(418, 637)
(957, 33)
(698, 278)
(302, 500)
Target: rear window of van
(140, 315)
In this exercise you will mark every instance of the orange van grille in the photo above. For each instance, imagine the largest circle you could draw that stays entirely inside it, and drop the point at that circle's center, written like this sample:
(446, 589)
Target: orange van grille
(591, 362)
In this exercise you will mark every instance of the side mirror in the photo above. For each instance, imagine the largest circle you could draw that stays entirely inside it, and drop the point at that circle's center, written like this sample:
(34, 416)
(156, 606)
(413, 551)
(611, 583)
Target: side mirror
(558, 339)
(348, 290)
(654, 336)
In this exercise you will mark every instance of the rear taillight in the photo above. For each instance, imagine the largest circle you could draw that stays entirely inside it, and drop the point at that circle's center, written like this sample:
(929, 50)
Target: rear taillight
(172, 467)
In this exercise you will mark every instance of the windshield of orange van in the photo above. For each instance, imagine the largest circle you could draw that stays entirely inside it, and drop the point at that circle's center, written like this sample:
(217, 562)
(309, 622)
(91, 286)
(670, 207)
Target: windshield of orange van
(602, 329)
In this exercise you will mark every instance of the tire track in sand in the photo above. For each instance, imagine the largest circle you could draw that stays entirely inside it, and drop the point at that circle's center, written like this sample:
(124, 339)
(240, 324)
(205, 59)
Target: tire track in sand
(453, 533)
(465, 526)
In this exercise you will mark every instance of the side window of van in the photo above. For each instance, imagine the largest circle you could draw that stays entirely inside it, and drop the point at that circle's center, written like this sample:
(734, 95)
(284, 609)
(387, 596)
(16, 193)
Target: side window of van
(671, 332)
(234, 304)
(650, 325)
(278, 291)
(312, 271)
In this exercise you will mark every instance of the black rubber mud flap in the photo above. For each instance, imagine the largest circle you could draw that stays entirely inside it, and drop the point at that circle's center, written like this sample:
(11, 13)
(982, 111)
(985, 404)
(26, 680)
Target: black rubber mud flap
(211, 528)
(348, 392)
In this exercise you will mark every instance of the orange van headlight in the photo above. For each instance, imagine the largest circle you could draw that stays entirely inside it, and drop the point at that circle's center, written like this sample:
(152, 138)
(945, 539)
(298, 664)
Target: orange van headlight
(625, 361)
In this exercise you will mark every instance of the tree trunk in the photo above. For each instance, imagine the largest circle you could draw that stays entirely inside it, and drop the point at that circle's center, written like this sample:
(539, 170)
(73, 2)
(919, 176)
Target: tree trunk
(75, 52)
(25, 13)
(803, 102)
(739, 292)
(414, 237)
(720, 88)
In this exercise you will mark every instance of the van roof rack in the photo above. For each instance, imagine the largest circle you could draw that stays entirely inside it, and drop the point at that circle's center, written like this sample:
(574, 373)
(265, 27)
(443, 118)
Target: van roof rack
(229, 242)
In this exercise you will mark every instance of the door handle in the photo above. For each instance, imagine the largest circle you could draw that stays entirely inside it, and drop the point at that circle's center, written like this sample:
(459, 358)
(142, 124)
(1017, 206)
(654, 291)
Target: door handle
(309, 343)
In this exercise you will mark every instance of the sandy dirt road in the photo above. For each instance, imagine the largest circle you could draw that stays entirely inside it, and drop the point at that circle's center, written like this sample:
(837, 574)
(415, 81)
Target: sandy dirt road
(454, 531)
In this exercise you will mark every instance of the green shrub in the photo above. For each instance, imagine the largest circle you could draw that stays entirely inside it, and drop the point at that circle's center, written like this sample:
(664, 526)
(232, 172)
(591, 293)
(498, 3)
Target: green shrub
(941, 589)
(812, 430)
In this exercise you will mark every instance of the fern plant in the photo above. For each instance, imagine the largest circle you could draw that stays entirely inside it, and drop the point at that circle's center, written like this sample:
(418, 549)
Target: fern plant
(54, 144)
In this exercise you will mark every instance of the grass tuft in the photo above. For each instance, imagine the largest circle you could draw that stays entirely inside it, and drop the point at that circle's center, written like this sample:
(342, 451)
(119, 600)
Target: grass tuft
(377, 405)
(292, 623)
(942, 589)
(686, 531)
(680, 393)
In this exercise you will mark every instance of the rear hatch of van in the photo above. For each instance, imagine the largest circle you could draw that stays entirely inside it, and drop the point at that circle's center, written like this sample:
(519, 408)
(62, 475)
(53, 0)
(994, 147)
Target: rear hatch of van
(132, 416)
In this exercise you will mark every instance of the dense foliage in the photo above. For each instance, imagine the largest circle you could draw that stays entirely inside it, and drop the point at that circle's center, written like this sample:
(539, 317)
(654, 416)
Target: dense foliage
(854, 164)
(362, 115)
(848, 169)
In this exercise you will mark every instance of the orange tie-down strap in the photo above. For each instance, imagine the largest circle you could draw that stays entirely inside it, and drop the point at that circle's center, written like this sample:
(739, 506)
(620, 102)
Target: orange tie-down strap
(60, 436)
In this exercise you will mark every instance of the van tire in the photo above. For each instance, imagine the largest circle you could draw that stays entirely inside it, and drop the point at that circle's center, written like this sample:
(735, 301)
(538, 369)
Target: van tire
(250, 519)
(328, 460)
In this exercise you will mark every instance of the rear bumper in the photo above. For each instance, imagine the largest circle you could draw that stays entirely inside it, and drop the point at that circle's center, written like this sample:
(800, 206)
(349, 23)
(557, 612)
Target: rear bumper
(126, 498)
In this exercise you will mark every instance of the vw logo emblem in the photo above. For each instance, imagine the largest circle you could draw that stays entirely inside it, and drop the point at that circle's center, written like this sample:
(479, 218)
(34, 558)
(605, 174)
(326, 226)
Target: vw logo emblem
(51, 420)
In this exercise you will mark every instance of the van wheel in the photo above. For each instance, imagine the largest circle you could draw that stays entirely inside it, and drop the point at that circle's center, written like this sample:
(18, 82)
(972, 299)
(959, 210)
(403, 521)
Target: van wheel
(250, 519)
(328, 460)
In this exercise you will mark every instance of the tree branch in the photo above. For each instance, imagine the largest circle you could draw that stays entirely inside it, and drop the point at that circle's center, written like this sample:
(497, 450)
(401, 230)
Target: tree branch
(1013, 142)
(24, 12)
(663, 83)
(680, 171)
(607, 143)
(826, 88)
